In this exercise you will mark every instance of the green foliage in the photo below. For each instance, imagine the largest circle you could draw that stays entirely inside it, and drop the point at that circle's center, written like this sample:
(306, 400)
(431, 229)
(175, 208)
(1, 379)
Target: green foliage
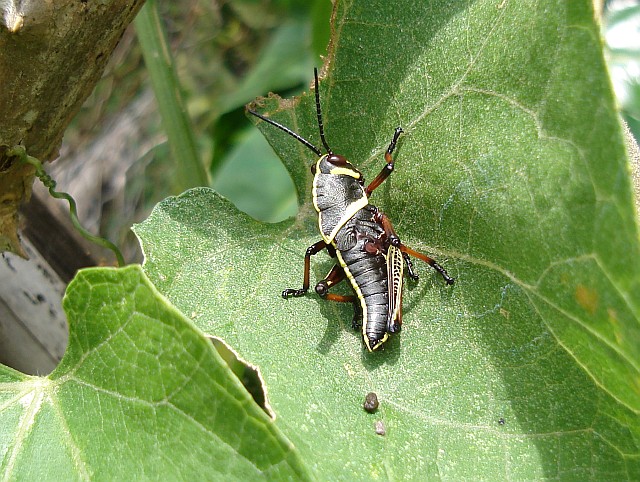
(140, 393)
(512, 173)
(254, 178)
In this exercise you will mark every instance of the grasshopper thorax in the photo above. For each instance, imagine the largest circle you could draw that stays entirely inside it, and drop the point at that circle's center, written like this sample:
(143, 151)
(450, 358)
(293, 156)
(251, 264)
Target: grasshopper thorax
(338, 193)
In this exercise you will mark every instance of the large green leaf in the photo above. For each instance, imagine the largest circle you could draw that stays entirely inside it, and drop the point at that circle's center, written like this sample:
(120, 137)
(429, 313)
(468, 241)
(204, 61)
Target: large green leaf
(513, 174)
(140, 393)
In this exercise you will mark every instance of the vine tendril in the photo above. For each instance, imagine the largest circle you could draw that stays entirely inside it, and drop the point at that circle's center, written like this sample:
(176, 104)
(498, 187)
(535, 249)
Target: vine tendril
(21, 153)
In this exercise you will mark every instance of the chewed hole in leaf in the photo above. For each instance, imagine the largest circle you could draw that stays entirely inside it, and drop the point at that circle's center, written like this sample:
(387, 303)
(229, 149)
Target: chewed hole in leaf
(249, 375)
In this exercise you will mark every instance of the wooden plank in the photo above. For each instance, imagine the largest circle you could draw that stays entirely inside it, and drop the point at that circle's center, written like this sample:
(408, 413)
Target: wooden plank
(33, 326)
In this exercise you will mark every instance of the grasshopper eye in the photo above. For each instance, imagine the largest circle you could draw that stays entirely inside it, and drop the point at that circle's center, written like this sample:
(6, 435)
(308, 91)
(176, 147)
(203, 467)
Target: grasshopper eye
(337, 160)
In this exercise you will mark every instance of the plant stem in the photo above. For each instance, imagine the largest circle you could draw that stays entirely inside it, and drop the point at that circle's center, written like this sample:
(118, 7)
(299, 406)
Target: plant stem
(155, 50)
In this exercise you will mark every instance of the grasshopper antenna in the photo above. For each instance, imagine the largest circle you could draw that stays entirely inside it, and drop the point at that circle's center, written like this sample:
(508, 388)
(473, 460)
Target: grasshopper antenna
(319, 112)
(298, 137)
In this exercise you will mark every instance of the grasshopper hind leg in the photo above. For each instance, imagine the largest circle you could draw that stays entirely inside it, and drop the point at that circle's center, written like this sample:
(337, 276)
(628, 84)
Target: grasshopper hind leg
(335, 276)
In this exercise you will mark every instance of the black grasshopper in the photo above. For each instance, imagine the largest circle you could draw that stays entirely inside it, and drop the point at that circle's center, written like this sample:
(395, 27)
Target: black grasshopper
(369, 252)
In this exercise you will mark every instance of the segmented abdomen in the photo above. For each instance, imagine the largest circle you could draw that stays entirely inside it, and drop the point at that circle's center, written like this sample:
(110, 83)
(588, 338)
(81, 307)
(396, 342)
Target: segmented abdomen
(367, 273)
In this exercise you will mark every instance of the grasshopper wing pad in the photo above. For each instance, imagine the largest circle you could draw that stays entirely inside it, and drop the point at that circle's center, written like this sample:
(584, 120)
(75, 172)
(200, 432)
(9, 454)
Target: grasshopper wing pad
(395, 270)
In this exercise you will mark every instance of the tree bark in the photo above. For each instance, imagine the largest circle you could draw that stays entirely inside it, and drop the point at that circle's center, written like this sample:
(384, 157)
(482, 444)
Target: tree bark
(52, 53)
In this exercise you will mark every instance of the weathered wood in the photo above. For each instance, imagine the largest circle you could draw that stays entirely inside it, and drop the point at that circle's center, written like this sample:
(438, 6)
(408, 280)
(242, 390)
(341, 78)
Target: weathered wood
(33, 327)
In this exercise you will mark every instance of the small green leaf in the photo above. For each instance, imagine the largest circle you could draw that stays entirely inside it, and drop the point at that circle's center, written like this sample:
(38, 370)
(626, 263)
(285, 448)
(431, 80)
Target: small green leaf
(264, 190)
(512, 173)
(140, 393)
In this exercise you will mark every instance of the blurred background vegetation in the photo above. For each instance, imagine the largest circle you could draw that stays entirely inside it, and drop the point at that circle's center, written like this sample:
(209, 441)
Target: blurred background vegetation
(621, 31)
(116, 160)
